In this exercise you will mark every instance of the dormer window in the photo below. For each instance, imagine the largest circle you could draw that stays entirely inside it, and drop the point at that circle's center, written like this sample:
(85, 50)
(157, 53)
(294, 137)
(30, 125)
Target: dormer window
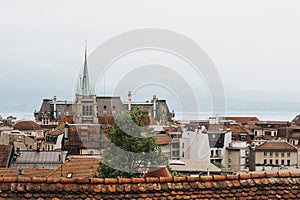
(243, 137)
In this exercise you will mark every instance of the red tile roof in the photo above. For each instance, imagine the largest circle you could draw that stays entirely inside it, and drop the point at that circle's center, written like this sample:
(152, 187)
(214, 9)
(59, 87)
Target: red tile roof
(295, 135)
(67, 118)
(82, 138)
(27, 172)
(281, 185)
(276, 146)
(158, 172)
(162, 139)
(106, 119)
(5, 152)
(26, 125)
(80, 167)
(236, 130)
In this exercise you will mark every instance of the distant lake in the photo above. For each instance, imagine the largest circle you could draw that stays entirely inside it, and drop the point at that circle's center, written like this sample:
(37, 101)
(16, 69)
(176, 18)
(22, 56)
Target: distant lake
(262, 115)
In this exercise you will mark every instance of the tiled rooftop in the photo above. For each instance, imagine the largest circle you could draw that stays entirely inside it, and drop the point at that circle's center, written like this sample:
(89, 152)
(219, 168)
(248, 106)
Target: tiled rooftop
(162, 139)
(106, 119)
(67, 119)
(5, 151)
(26, 125)
(236, 130)
(80, 167)
(278, 146)
(28, 172)
(295, 135)
(281, 185)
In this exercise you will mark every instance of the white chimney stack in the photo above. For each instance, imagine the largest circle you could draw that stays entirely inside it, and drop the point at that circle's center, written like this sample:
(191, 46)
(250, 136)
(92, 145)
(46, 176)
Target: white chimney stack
(154, 106)
(54, 102)
(66, 131)
(129, 100)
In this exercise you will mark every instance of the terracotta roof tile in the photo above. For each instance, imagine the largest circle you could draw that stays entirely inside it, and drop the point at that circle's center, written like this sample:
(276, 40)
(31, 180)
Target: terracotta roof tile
(237, 130)
(106, 119)
(27, 172)
(26, 125)
(162, 139)
(276, 146)
(68, 119)
(5, 152)
(158, 172)
(80, 167)
(251, 186)
(295, 135)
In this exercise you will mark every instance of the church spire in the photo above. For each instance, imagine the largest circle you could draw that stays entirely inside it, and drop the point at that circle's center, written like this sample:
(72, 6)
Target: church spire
(85, 87)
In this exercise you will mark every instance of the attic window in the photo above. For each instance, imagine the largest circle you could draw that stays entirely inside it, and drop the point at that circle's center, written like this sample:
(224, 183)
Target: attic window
(243, 137)
(69, 175)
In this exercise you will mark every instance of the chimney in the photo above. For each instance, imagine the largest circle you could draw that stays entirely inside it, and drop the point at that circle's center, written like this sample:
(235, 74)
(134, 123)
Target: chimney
(18, 151)
(66, 134)
(54, 102)
(129, 100)
(154, 106)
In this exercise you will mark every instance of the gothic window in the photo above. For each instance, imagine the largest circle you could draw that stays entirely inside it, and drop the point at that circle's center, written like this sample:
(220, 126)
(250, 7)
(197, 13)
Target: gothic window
(91, 111)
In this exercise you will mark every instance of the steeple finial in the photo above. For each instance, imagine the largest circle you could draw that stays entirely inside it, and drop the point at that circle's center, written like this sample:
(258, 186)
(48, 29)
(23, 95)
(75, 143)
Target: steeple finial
(85, 51)
(85, 88)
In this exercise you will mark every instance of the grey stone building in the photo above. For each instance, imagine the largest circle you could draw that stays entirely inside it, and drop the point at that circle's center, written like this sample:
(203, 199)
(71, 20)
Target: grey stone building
(87, 106)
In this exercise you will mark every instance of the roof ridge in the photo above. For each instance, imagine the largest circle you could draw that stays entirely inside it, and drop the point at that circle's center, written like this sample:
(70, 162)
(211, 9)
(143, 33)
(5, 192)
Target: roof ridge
(202, 178)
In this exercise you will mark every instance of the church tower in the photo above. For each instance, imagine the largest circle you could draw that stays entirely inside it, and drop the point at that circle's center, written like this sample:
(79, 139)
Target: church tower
(85, 106)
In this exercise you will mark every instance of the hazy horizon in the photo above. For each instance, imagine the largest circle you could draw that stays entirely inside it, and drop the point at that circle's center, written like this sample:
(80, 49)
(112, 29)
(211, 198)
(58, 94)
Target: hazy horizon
(254, 46)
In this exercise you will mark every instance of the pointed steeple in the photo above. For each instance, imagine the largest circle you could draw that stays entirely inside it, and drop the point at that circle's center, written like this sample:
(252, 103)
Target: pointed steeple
(85, 88)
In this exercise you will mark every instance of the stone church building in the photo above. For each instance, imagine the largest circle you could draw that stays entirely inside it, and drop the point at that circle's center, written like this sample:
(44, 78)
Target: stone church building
(87, 107)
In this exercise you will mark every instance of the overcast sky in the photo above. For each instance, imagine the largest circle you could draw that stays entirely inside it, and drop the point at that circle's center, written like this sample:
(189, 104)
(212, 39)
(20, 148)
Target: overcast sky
(255, 45)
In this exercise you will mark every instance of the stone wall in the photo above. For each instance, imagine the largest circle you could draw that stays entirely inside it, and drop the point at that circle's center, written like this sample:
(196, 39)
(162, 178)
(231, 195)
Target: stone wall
(282, 185)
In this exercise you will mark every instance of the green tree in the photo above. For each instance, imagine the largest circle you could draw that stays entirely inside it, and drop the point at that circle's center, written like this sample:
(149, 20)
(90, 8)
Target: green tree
(132, 147)
(217, 164)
